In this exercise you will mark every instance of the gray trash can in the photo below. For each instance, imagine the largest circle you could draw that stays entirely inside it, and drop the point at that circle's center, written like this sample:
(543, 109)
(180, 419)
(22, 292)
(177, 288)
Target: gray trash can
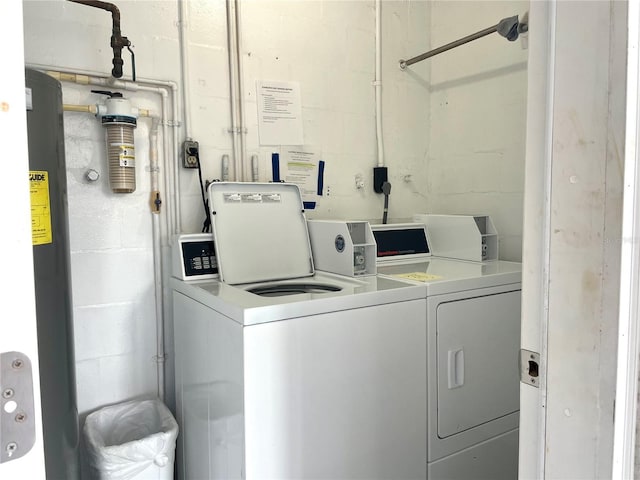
(131, 440)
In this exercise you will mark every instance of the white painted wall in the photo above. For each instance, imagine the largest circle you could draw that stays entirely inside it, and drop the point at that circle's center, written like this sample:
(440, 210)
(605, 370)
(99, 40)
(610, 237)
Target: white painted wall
(478, 115)
(328, 46)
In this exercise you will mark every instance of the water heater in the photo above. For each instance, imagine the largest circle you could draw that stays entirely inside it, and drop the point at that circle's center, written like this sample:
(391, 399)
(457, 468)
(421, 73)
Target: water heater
(54, 309)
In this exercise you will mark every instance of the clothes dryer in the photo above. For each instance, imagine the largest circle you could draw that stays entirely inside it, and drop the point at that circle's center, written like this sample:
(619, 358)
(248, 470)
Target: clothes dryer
(473, 341)
(283, 372)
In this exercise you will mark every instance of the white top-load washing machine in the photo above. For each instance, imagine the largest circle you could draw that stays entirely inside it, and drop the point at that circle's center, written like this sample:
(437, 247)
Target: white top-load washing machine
(287, 373)
(473, 342)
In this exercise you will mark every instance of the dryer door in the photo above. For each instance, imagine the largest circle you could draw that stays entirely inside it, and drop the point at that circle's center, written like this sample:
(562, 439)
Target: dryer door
(477, 360)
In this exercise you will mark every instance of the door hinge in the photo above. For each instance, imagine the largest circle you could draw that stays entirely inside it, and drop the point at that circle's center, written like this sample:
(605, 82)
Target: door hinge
(530, 367)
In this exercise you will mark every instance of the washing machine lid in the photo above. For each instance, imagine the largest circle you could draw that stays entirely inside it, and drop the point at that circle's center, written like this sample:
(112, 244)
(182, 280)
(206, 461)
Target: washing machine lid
(260, 232)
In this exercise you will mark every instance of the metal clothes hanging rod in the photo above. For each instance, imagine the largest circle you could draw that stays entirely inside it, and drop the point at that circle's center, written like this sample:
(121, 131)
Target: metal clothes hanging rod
(508, 27)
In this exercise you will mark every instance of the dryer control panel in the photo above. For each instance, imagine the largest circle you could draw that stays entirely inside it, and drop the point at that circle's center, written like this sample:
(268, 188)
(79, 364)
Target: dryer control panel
(401, 241)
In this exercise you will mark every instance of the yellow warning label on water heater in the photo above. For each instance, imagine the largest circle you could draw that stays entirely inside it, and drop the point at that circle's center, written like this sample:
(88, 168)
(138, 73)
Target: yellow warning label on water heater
(418, 276)
(40, 207)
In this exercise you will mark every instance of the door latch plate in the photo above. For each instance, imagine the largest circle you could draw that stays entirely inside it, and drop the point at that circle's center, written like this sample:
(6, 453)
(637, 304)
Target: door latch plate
(17, 419)
(530, 367)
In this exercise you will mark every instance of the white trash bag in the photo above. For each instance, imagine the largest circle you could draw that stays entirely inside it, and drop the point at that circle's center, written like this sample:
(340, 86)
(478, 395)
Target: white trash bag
(132, 440)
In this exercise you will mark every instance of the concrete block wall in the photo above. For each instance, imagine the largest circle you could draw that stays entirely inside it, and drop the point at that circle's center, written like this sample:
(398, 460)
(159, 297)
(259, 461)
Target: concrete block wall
(110, 234)
(327, 46)
(478, 116)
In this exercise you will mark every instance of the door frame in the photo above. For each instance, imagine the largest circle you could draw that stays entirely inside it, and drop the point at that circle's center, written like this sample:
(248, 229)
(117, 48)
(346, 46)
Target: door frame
(628, 332)
(567, 141)
(536, 236)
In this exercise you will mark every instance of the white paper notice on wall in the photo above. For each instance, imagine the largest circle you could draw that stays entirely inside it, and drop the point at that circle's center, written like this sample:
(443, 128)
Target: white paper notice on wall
(301, 166)
(279, 113)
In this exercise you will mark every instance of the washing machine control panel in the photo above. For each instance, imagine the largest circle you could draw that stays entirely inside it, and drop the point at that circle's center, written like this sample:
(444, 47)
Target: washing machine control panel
(194, 257)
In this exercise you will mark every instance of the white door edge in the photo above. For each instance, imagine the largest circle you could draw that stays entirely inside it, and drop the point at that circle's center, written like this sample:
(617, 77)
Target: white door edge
(537, 233)
(18, 328)
(628, 331)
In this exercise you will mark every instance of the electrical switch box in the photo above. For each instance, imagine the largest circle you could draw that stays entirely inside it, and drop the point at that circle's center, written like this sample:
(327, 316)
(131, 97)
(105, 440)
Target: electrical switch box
(379, 178)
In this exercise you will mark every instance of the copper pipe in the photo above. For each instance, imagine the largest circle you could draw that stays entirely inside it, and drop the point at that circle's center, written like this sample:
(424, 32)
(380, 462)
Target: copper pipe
(118, 42)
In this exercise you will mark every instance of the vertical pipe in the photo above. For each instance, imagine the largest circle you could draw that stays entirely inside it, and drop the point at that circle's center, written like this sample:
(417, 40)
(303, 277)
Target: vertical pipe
(225, 168)
(184, 72)
(176, 155)
(254, 168)
(186, 106)
(172, 206)
(117, 40)
(240, 99)
(231, 40)
(378, 83)
(157, 261)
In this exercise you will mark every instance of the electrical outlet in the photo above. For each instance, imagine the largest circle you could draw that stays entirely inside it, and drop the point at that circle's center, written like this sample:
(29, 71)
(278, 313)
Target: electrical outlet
(190, 154)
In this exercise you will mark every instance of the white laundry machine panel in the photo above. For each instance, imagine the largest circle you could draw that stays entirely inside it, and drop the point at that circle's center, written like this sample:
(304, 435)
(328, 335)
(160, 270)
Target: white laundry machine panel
(473, 338)
(493, 459)
(308, 385)
(337, 396)
(209, 392)
(472, 367)
(475, 358)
